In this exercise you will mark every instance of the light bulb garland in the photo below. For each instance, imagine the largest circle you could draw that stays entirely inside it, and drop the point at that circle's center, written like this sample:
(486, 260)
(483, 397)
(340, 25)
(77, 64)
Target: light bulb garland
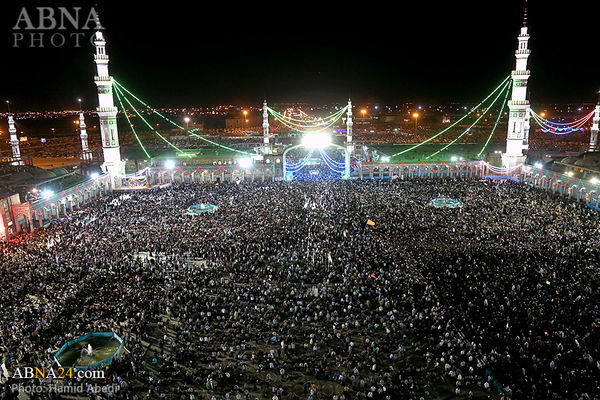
(150, 125)
(495, 123)
(316, 121)
(292, 169)
(501, 170)
(130, 124)
(560, 128)
(315, 127)
(455, 123)
(326, 157)
(176, 124)
(472, 125)
(331, 164)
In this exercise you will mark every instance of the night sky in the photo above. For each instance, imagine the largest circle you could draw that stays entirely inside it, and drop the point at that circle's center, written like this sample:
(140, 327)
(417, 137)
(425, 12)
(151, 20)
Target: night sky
(201, 53)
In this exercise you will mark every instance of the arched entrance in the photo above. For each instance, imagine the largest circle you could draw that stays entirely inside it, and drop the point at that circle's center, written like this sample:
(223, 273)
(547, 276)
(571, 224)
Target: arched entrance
(317, 158)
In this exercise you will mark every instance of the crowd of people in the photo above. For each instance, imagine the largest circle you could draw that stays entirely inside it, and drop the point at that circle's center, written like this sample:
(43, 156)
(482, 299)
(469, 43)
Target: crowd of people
(317, 290)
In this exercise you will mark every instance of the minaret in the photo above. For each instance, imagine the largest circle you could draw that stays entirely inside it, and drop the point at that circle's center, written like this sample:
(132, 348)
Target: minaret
(107, 114)
(517, 138)
(349, 123)
(14, 140)
(595, 127)
(86, 154)
(266, 144)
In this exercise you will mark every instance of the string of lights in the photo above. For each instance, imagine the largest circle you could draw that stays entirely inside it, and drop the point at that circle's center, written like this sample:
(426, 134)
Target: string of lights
(331, 164)
(325, 156)
(299, 165)
(495, 123)
(316, 122)
(560, 128)
(472, 125)
(316, 127)
(501, 170)
(582, 119)
(455, 123)
(130, 124)
(150, 125)
(177, 125)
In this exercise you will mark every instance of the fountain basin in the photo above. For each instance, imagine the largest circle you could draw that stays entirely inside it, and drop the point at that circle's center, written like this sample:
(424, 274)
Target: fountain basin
(105, 347)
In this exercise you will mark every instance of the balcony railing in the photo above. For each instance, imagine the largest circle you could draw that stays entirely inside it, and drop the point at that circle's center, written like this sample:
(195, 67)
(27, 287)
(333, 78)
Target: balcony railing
(106, 109)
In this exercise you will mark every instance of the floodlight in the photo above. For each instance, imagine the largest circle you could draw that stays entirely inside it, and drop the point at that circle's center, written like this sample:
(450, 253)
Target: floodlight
(316, 140)
(245, 162)
(538, 165)
(454, 158)
(385, 159)
(46, 193)
(94, 175)
(169, 164)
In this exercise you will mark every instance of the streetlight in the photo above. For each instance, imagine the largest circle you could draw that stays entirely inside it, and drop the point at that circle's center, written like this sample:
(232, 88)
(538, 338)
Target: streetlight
(363, 112)
(416, 117)
(187, 123)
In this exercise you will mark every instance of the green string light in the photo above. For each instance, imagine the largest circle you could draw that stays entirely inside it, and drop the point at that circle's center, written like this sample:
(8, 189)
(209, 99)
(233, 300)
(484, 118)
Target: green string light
(313, 128)
(179, 126)
(329, 117)
(333, 116)
(496, 123)
(454, 124)
(471, 126)
(130, 124)
(151, 127)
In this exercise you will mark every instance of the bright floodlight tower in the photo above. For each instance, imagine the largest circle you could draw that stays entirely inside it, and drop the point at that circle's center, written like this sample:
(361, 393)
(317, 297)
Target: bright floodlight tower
(107, 114)
(318, 141)
(517, 138)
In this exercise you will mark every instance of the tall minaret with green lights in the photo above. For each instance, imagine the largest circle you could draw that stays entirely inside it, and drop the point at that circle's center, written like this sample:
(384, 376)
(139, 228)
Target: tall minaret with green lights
(107, 114)
(517, 139)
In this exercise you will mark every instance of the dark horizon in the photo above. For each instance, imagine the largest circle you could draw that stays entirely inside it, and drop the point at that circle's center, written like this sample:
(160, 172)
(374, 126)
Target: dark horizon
(221, 54)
